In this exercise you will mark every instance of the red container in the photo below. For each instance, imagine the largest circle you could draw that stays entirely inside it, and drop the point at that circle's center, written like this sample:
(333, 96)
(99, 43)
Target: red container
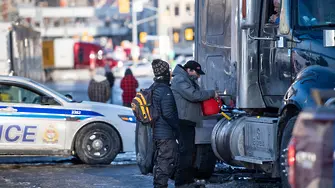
(211, 107)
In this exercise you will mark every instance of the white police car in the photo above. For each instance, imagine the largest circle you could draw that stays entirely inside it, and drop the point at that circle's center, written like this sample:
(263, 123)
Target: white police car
(35, 120)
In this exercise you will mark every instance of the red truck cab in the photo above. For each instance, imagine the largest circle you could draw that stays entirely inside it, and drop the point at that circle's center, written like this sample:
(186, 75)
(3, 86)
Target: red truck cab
(85, 53)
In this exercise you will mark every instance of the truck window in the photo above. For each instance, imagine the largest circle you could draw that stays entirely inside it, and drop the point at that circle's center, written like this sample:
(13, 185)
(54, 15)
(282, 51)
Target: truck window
(217, 15)
(274, 11)
(316, 12)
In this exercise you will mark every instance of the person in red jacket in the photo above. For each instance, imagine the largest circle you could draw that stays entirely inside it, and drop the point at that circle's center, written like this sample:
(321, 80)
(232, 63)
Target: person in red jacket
(129, 84)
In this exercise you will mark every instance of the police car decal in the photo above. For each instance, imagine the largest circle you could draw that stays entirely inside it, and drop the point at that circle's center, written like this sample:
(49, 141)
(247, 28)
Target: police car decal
(16, 133)
(49, 113)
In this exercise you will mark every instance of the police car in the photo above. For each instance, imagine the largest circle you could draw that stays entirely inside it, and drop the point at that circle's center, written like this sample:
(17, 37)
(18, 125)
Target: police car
(35, 120)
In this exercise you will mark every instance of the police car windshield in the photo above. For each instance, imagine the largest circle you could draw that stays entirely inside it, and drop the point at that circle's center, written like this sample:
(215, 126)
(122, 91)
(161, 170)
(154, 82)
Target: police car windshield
(52, 91)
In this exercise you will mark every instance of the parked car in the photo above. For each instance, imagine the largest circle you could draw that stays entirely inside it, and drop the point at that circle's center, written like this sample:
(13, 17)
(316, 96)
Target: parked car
(36, 120)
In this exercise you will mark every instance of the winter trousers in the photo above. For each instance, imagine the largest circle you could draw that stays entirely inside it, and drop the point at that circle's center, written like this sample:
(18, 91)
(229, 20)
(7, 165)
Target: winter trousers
(185, 172)
(164, 163)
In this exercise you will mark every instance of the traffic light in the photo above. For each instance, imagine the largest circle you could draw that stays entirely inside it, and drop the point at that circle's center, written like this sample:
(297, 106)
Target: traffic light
(124, 6)
(143, 37)
(175, 37)
(189, 34)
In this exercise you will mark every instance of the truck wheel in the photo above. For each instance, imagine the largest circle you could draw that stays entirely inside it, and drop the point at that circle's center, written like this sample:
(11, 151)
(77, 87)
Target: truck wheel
(97, 143)
(205, 161)
(144, 148)
(287, 134)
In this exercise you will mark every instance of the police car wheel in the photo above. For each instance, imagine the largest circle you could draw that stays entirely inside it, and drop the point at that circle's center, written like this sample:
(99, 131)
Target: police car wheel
(97, 143)
(287, 134)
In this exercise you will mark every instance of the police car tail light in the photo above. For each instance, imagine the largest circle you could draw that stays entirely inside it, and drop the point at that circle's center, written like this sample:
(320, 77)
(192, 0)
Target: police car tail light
(128, 118)
(291, 161)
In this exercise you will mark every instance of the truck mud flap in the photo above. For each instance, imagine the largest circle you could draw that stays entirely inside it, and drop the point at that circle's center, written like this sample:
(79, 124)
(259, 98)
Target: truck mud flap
(144, 148)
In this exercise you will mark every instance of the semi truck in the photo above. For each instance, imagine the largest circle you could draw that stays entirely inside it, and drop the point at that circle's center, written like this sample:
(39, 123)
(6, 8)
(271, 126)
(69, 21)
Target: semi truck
(265, 59)
(67, 53)
(268, 67)
(21, 51)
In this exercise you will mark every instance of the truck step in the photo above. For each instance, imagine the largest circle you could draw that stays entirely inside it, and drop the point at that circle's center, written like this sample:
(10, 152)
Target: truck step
(254, 160)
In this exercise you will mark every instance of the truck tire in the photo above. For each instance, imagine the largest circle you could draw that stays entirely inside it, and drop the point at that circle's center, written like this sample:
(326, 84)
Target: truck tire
(205, 161)
(287, 134)
(97, 143)
(144, 148)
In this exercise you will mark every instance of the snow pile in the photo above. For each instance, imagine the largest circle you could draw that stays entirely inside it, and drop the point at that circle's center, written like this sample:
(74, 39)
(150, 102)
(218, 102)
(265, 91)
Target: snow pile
(125, 159)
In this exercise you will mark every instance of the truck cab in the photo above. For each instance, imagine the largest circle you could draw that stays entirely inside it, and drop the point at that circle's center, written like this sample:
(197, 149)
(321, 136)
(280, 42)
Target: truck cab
(266, 56)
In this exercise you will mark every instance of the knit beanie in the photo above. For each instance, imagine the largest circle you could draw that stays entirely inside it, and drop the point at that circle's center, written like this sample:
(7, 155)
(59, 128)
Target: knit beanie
(160, 68)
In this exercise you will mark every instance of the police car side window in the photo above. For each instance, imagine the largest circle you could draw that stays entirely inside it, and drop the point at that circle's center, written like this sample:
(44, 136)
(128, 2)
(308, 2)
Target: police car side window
(17, 94)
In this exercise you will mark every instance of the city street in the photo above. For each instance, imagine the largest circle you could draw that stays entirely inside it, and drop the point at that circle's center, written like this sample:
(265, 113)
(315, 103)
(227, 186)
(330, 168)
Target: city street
(33, 172)
(264, 77)
(78, 89)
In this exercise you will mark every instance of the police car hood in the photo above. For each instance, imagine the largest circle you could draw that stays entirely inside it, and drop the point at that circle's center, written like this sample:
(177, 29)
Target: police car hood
(103, 108)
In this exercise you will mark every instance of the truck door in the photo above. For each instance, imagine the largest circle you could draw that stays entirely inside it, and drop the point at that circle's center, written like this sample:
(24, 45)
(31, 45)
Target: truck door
(274, 67)
(213, 45)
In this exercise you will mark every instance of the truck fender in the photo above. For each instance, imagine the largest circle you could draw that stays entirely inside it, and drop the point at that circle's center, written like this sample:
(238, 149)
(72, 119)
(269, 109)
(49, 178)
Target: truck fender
(298, 96)
(299, 93)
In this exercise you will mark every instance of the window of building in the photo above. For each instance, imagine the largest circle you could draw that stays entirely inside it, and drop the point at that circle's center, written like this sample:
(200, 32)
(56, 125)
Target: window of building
(176, 10)
(167, 10)
(188, 8)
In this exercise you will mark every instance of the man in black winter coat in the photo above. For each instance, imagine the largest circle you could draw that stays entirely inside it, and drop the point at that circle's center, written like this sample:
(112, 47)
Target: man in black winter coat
(166, 128)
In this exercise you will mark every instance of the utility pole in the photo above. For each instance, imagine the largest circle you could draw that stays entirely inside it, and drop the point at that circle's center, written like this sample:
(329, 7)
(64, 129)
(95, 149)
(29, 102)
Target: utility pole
(134, 23)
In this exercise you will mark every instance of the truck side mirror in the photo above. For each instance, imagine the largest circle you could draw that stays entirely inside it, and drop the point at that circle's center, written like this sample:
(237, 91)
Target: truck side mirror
(248, 14)
(285, 17)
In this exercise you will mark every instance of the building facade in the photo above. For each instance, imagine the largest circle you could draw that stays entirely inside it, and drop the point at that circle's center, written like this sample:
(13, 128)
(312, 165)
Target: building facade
(174, 14)
(176, 20)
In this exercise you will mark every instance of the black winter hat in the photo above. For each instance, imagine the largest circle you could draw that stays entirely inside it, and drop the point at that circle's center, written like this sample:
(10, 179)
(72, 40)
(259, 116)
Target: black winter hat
(160, 68)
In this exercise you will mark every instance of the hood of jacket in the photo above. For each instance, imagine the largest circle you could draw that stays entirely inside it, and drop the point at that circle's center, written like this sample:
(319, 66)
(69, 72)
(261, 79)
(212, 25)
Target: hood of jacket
(99, 78)
(180, 71)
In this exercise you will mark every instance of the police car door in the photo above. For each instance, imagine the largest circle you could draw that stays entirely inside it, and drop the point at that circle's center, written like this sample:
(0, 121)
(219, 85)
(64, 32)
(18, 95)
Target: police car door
(26, 125)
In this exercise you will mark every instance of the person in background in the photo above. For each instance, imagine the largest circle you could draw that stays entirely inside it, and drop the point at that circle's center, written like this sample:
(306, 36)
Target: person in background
(99, 88)
(111, 79)
(129, 84)
(188, 96)
(166, 128)
(275, 17)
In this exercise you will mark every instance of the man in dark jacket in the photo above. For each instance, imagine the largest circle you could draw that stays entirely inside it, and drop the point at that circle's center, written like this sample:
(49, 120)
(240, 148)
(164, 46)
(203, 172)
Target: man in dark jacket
(188, 96)
(165, 130)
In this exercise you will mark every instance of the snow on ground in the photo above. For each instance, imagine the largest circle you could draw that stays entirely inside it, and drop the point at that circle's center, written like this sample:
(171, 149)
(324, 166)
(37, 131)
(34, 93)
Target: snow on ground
(125, 159)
